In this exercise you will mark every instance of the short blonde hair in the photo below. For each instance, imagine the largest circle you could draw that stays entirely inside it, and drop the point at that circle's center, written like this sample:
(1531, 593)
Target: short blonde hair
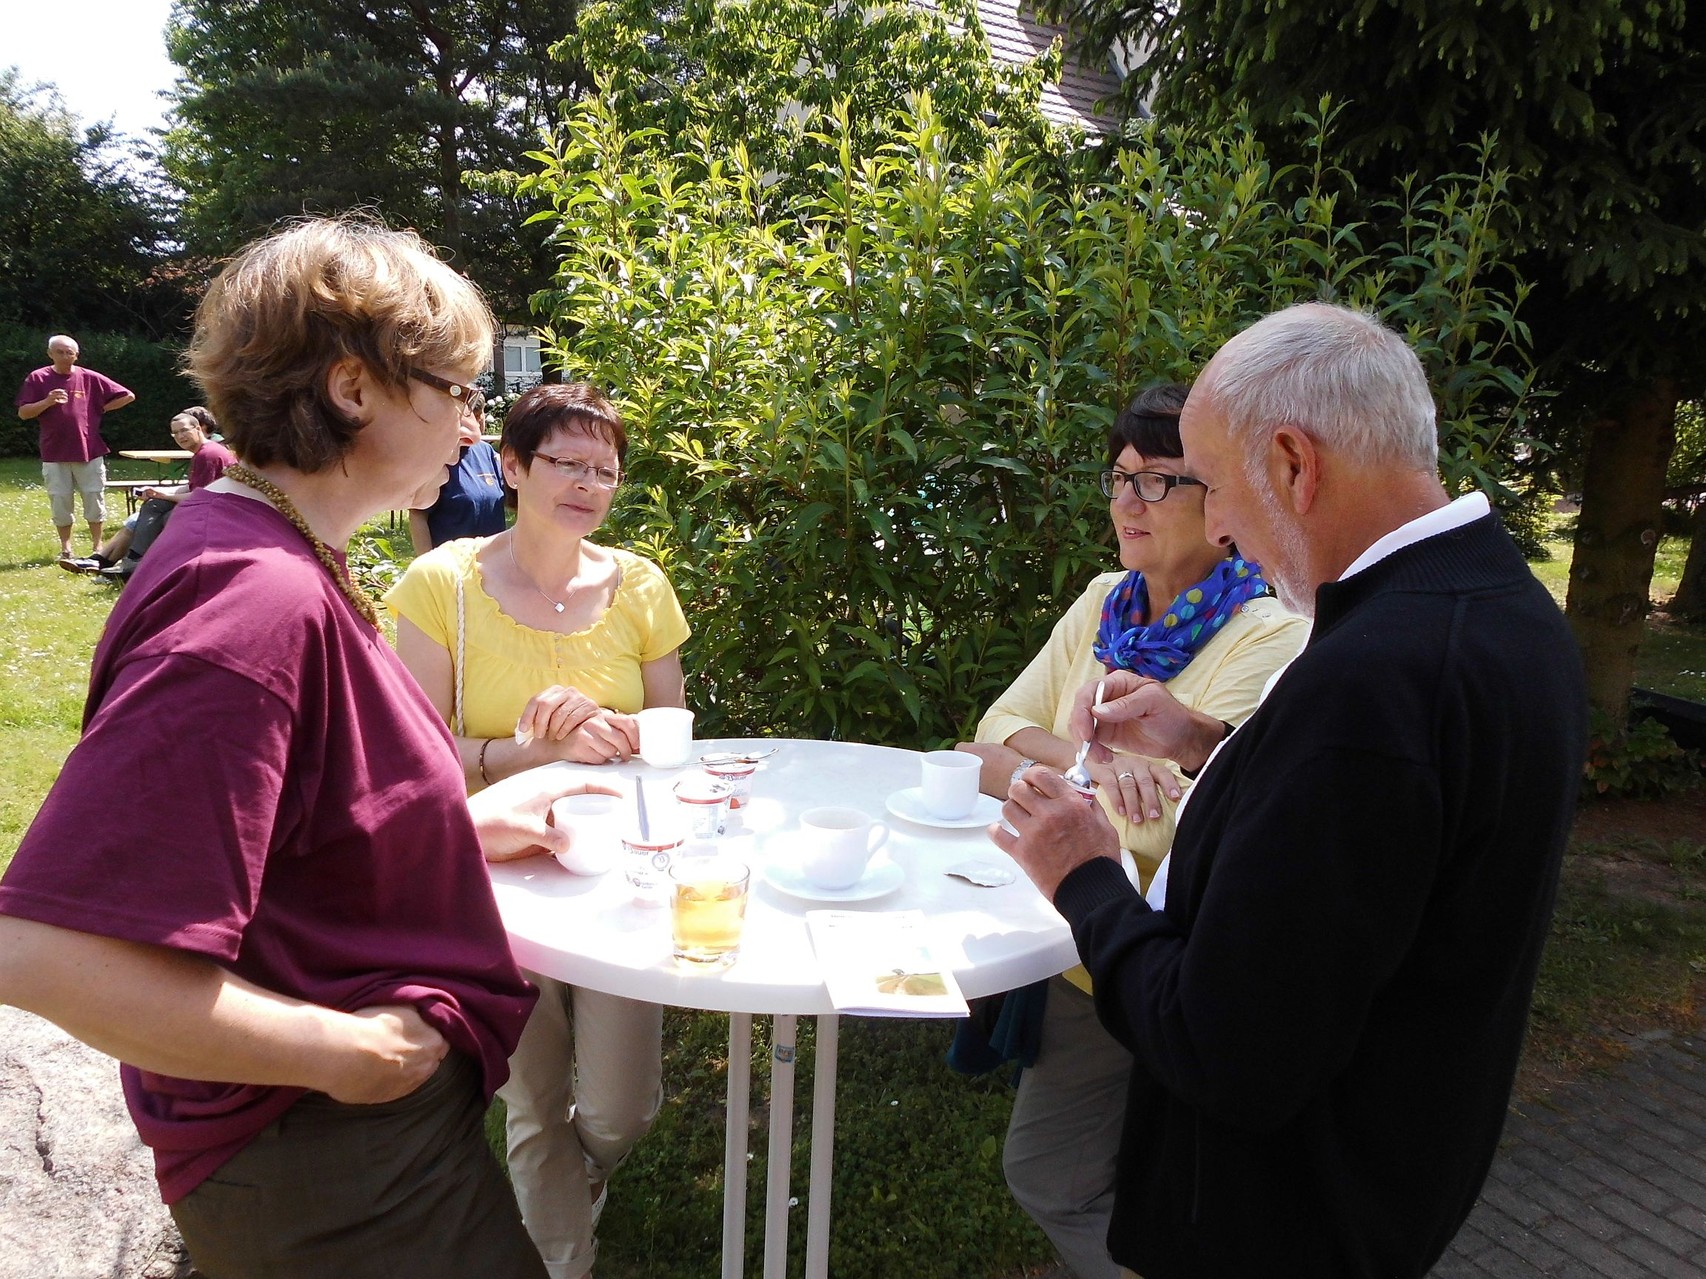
(290, 306)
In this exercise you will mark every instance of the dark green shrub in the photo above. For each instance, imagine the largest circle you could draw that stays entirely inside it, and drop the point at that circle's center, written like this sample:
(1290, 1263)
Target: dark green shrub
(1527, 517)
(1642, 762)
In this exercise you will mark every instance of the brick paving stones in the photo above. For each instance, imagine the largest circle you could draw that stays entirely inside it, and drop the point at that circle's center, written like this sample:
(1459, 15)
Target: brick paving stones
(1605, 1179)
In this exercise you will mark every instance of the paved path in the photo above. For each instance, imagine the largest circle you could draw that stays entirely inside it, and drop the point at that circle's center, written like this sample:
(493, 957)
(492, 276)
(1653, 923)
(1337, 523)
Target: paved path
(1606, 1178)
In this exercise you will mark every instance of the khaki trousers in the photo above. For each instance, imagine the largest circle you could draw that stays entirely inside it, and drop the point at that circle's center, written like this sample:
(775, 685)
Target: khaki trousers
(404, 1190)
(585, 1084)
(1064, 1137)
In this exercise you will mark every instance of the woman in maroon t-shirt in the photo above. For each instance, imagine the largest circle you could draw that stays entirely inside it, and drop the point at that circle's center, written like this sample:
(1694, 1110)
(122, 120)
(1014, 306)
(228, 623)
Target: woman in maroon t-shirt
(294, 950)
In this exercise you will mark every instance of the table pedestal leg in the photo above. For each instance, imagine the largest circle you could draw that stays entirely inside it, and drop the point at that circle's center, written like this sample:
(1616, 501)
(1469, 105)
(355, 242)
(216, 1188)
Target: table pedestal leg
(734, 1145)
(823, 1147)
(781, 1145)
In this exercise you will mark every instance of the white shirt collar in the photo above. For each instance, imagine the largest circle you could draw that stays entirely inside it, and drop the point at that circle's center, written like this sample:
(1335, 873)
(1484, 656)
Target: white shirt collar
(1465, 510)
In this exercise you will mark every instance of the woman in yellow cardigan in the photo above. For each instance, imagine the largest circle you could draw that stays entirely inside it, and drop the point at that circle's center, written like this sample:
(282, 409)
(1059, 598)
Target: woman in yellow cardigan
(536, 645)
(1182, 611)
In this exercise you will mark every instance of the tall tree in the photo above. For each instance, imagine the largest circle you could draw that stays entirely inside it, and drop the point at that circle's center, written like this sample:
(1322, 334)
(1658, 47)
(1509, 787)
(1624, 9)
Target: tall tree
(80, 239)
(767, 72)
(292, 106)
(1599, 107)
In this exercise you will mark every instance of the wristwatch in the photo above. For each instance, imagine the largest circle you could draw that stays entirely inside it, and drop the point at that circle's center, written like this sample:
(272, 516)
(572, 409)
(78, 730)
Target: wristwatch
(1023, 765)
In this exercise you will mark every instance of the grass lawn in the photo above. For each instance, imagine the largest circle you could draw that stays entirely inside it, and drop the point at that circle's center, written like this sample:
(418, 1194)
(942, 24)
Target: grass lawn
(918, 1187)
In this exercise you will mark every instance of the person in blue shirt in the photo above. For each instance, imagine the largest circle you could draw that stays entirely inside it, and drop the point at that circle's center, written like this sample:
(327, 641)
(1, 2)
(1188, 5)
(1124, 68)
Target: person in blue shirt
(471, 503)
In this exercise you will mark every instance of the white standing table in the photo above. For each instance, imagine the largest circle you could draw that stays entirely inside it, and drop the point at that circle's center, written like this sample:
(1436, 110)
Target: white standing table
(588, 931)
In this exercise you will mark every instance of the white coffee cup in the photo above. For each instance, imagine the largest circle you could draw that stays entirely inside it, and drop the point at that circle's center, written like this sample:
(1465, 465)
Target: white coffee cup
(837, 845)
(596, 822)
(949, 783)
(666, 735)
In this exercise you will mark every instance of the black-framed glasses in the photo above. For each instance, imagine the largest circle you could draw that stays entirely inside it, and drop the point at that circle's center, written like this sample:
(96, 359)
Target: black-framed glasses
(572, 468)
(455, 390)
(1151, 486)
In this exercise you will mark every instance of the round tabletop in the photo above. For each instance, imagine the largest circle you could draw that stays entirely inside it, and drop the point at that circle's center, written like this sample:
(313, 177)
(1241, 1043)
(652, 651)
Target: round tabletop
(589, 931)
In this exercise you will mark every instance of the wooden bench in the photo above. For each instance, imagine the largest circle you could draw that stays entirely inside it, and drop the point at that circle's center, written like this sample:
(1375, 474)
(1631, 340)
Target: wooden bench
(131, 489)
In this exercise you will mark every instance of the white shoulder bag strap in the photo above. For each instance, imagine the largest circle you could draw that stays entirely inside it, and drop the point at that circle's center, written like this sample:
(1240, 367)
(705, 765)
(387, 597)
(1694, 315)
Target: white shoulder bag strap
(461, 660)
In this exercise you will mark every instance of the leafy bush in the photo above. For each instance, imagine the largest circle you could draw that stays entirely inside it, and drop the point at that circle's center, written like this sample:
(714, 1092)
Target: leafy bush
(867, 420)
(147, 367)
(1642, 762)
(867, 423)
(1527, 516)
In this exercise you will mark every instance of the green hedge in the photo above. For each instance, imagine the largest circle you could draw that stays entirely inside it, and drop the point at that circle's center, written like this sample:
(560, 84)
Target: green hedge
(148, 368)
(866, 424)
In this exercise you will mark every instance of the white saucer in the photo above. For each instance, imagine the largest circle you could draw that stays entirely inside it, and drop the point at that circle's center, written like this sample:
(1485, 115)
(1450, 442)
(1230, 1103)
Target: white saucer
(909, 803)
(879, 878)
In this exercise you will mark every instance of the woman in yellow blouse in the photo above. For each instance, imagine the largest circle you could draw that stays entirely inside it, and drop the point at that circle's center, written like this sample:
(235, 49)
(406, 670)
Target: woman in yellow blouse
(537, 645)
(1182, 611)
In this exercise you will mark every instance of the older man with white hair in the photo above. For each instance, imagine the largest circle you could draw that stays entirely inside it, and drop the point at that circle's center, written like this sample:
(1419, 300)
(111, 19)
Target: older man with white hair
(1325, 1000)
(68, 403)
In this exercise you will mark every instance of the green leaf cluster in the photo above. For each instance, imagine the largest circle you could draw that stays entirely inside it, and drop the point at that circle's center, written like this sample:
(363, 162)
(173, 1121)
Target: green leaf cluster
(1597, 107)
(768, 73)
(867, 417)
(1643, 761)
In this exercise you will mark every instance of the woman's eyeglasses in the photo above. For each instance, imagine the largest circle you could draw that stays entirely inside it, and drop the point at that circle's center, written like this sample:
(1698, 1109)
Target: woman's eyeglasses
(571, 468)
(455, 390)
(1151, 486)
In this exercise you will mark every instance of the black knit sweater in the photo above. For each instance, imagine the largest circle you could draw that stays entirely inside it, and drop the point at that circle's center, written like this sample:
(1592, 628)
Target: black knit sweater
(1327, 1015)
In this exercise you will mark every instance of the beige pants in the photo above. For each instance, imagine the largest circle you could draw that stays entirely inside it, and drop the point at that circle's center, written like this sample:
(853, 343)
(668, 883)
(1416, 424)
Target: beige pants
(585, 1083)
(62, 479)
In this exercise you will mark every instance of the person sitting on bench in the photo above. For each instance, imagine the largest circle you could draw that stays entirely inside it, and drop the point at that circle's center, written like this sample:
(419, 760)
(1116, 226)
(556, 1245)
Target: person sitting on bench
(118, 555)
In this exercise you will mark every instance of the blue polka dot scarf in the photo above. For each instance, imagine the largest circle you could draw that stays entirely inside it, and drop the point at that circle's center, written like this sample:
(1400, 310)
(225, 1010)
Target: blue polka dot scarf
(1162, 649)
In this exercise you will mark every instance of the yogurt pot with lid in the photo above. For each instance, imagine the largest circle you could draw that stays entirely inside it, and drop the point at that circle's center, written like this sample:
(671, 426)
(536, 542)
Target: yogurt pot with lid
(736, 774)
(704, 802)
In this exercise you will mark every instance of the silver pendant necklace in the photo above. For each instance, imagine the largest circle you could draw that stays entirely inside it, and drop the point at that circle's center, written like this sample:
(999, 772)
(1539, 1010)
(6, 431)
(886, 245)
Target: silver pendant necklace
(535, 585)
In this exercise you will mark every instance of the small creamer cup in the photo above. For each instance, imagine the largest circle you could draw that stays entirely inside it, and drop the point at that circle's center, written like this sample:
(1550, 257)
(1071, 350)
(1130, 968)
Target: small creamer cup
(666, 735)
(949, 783)
(836, 844)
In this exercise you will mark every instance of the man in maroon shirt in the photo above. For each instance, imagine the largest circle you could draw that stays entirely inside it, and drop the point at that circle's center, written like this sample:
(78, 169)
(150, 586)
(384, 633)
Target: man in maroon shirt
(69, 403)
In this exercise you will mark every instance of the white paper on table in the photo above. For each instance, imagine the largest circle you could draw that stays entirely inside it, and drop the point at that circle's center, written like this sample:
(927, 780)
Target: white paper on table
(881, 963)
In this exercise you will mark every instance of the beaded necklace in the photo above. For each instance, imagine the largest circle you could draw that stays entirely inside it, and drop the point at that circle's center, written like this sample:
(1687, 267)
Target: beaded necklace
(281, 502)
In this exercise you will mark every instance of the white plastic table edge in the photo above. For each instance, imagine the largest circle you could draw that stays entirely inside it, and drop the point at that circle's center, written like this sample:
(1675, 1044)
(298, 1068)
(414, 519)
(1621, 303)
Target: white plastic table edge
(1056, 957)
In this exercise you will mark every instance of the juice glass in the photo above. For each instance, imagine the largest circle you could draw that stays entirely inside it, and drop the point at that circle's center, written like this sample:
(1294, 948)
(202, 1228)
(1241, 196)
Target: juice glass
(707, 909)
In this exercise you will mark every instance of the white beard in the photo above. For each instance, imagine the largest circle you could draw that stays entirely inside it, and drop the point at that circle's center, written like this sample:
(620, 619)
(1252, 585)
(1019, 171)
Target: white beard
(1288, 572)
